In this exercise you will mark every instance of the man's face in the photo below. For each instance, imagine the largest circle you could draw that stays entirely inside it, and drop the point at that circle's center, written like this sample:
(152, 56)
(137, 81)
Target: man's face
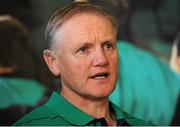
(87, 56)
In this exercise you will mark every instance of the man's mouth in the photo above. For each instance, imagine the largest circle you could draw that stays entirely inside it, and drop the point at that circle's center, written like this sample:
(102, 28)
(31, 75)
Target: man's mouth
(99, 76)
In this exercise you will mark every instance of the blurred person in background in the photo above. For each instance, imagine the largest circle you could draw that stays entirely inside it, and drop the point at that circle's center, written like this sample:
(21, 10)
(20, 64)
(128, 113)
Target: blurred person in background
(19, 92)
(32, 14)
(175, 65)
(146, 85)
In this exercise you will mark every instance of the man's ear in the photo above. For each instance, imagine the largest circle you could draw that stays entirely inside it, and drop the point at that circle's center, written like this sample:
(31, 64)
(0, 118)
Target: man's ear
(51, 62)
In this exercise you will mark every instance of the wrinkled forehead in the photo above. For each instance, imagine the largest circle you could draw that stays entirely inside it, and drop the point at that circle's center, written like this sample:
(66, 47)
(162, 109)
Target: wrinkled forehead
(83, 19)
(84, 23)
(89, 11)
(65, 14)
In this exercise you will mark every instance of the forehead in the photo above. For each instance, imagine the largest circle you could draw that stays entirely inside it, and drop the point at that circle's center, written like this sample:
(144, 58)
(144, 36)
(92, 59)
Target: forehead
(86, 22)
(83, 19)
(70, 12)
(84, 28)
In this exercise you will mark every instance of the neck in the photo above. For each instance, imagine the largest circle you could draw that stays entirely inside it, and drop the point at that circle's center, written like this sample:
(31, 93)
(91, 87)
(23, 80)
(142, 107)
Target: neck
(98, 108)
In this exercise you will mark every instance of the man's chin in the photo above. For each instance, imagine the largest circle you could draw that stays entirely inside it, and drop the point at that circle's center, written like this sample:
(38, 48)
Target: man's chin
(101, 95)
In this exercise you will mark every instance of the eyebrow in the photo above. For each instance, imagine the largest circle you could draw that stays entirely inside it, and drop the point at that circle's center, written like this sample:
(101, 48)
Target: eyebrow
(84, 44)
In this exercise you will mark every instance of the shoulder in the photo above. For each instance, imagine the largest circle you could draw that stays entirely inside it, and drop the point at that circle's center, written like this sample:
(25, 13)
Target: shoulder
(34, 116)
(40, 116)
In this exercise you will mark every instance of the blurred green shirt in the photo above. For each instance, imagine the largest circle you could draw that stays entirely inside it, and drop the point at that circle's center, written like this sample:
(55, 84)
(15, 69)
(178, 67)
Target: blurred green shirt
(20, 91)
(147, 88)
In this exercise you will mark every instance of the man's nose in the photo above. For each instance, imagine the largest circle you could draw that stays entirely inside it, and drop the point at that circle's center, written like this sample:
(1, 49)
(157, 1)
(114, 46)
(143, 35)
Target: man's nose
(100, 58)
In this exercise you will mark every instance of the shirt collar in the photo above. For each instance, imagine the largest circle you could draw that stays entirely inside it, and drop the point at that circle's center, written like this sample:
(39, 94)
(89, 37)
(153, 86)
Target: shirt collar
(66, 110)
(119, 114)
(62, 107)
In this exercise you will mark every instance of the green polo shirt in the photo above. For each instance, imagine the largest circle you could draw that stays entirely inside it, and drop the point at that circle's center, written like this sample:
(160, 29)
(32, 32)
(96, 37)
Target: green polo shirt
(58, 111)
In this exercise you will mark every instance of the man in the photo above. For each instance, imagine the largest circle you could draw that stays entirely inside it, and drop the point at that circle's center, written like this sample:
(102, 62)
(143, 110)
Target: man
(81, 50)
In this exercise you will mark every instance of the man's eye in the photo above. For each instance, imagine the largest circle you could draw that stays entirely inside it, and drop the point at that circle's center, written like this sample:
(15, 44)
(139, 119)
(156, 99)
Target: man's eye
(108, 45)
(83, 49)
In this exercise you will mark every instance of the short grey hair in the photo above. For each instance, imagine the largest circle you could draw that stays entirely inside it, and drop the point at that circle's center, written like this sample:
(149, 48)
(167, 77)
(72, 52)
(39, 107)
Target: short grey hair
(63, 14)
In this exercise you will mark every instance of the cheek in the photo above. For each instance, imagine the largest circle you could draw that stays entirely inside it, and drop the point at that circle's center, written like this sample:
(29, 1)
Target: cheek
(81, 68)
(76, 68)
(65, 66)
